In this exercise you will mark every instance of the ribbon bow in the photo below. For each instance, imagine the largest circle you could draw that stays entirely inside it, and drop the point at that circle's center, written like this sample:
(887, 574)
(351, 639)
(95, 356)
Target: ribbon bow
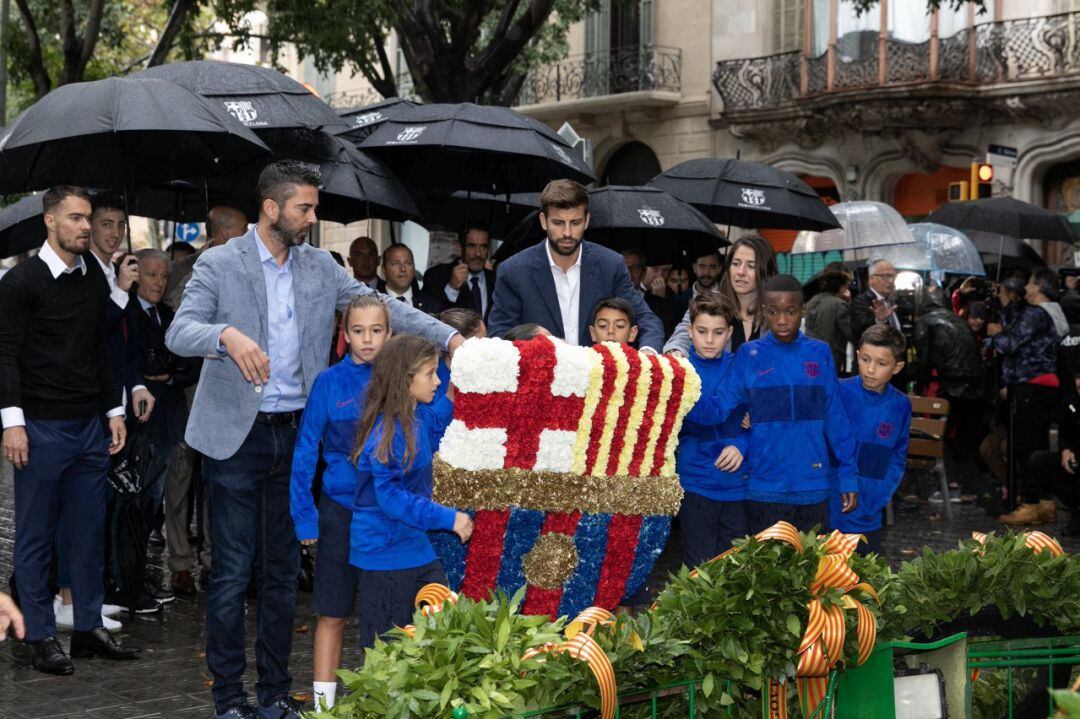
(822, 644)
(1036, 541)
(430, 600)
(580, 644)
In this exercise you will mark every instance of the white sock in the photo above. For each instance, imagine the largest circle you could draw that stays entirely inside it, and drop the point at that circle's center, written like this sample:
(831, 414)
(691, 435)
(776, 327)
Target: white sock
(325, 692)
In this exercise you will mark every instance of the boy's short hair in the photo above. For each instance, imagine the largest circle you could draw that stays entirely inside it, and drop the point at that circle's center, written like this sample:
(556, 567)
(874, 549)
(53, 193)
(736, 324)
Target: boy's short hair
(784, 283)
(884, 335)
(466, 322)
(107, 201)
(614, 303)
(714, 305)
(527, 331)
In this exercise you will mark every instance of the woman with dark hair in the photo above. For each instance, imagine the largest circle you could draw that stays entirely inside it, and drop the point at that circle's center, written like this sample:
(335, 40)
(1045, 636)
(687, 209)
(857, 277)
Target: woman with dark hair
(750, 263)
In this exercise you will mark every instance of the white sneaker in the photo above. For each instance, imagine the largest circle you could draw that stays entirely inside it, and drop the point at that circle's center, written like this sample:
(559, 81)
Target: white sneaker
(111, 624)
(111, 610)
(65, 615)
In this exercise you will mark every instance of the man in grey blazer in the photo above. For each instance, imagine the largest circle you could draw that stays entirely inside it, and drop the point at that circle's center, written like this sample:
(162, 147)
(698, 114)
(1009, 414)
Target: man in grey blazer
(261, 310)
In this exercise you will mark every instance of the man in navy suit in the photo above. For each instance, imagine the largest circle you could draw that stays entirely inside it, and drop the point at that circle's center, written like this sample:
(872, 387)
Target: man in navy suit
(465, 281)
(557, 282)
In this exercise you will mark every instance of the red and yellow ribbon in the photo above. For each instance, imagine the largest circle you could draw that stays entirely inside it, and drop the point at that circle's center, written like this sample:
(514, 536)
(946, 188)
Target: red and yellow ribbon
(822, 644)
(580, 644)
(430, 600)
(1036, 541)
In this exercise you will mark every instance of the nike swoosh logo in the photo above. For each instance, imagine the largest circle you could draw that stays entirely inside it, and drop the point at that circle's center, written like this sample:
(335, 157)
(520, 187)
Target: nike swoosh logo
(345, 402)
(763, 372)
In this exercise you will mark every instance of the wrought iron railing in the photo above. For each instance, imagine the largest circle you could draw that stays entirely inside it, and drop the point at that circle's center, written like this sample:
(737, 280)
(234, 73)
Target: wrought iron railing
(1025, 49)
(620, 70)
(369, 95)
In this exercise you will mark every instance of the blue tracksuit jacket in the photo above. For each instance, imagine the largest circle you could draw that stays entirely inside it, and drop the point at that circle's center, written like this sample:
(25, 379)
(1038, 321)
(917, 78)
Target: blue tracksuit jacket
(333, 407)
(796, 416)
(881, 421)
(700, 443)
(392, 509)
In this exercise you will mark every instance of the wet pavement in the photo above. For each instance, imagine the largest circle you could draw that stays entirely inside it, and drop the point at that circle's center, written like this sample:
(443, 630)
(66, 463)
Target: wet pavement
(171, 679)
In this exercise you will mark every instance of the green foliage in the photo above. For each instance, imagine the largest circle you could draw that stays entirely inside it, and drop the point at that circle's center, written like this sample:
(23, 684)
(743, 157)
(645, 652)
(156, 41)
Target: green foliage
(1068, 703)
(1007, 575)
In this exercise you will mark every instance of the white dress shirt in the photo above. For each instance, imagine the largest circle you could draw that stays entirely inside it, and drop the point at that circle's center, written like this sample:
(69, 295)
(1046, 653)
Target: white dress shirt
(407, 294)
(481, 282)
(568, 290)
(13, 416)
(116, 294)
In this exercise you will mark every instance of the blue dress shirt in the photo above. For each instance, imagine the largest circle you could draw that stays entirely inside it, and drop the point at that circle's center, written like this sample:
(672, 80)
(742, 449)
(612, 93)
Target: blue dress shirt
(285, 390)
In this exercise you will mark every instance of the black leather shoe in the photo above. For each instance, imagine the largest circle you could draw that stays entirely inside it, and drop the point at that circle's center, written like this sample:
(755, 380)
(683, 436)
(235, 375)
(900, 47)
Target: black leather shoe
(284, 708)
(99, 643)
(243, 711)
(49, 657)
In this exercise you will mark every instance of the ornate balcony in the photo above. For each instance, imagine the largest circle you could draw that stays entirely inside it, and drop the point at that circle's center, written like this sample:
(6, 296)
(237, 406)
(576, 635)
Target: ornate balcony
(648, 75)
(986, 59)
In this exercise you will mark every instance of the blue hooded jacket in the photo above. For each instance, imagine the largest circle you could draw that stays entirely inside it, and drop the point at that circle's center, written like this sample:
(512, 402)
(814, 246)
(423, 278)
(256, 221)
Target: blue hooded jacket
(330, 417)
(701, 442)
(393, 509)
(796, 417)
(882, 422)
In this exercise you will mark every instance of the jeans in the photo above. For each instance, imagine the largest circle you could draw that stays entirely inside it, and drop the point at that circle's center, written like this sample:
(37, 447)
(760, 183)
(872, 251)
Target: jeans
(64, 478)
(252, 529)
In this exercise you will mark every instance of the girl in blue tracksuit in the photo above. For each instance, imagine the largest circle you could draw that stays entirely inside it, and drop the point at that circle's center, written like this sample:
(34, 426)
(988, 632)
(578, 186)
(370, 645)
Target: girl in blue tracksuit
(396, 438)
(710, 458)
(880, 415)
(329, 419)
(788, 381)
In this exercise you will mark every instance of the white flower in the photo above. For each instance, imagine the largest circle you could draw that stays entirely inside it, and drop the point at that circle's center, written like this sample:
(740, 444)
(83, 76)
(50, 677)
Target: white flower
(484, 364)
(572, 367)
(556, 451)
(473, 449)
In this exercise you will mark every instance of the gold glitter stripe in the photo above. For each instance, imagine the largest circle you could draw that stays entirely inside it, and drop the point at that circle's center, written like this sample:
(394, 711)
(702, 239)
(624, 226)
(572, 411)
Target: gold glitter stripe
(592, 399)
(554, 491)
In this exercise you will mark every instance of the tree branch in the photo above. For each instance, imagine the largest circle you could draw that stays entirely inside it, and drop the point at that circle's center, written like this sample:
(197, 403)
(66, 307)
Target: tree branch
(177, 16)
(90, 37)
(504, 48)
(70, 47)
(38, 72)
(388, 79)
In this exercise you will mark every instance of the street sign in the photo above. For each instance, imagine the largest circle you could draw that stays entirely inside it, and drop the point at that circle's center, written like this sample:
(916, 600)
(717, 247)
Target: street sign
(1001, 155)
(187, 231)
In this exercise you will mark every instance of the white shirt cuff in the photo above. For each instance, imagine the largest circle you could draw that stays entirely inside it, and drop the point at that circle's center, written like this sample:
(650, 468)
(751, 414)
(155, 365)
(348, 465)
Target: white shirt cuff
(137, 387)
(12, 417)
(115, 412)
(119, 297)
(451, 293)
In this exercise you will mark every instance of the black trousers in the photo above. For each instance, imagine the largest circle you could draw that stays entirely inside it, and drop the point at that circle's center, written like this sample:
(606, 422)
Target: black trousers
(1033, 412)
(964, 432)
(1049, 479)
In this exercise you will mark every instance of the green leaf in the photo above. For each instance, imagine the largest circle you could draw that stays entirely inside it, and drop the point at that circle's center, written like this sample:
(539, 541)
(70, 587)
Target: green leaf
(707, 685)
(793, 625)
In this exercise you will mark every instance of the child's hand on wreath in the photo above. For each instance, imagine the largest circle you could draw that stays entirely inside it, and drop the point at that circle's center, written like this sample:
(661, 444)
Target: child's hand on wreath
(463, 526)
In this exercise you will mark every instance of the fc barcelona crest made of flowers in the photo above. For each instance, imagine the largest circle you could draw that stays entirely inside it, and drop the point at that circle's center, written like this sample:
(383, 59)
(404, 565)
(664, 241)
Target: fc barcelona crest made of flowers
(564, 456)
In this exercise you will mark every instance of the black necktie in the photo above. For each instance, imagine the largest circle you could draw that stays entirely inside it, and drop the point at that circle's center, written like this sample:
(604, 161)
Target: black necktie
(477, 298)
(401, 297)
(152, 311)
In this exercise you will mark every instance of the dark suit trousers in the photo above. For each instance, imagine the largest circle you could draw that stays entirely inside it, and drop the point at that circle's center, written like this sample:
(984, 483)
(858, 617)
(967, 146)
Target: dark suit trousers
(64, 478)
(252, 529)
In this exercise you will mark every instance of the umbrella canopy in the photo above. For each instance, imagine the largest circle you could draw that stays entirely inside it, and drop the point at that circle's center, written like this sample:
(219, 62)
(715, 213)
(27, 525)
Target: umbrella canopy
(937, 249)
(641, 218)
(500, 213)
(121, 132)
(21, 226)
(649, 219)
(1005, 251)
(258, 97)
(746, 194)
(355, 186)
(862, 225)
(464, 146)
(1007, 216)
(362, 121)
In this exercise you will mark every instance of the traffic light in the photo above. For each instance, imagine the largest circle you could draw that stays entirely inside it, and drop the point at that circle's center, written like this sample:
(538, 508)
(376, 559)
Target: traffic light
(958, 191)
(982, 180)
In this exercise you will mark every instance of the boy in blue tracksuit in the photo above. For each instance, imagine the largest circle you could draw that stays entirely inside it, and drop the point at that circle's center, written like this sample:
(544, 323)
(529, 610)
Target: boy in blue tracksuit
(880, 414)
(710, 458)
(788, 381)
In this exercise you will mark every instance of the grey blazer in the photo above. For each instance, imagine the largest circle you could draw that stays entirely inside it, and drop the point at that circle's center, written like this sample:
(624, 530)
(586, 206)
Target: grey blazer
(227, 289)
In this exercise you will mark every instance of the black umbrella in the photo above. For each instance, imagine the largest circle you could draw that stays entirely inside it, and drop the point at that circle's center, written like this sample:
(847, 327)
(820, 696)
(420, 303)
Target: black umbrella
(472, 147)
(651, 220)
(355, 186)
(121, 132)
(500, 213)
(1004, 250)
(747, 194)
(258, 97)
(1005, 216)
(641, 218)
(362, 121)
(21, 226)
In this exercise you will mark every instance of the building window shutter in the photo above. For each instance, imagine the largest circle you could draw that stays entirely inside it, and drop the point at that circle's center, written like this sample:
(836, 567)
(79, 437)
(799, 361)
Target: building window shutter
(787, 25)
(648, 18)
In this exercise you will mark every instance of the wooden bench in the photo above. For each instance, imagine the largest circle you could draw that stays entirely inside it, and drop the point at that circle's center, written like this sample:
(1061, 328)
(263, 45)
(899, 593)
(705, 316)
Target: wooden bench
(926, 441)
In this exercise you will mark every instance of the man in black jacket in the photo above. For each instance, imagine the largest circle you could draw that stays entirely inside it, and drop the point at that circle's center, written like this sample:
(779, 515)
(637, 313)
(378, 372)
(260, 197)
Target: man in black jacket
(56, 391)
(945, 345)
(400, 283)
(465, 282)
(876, 306)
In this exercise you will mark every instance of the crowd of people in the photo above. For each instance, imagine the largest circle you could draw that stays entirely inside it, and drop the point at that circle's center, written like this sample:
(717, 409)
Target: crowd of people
(278, 399)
